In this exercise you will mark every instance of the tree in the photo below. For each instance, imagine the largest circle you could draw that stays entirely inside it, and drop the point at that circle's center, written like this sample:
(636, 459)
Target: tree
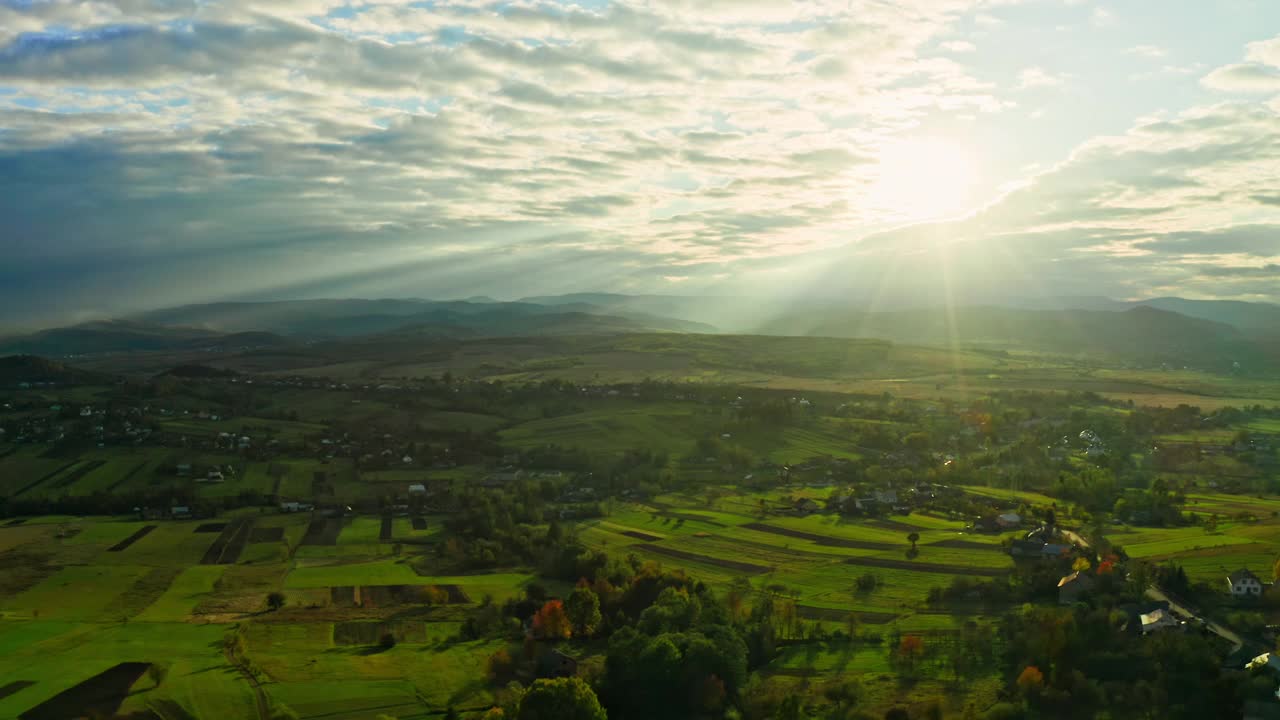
(157, 673)
(1030, 680)
(583, 608)
(275, 600)
(913, 538)
(387, 641)
(560, 699)
(867, 582)
(1081, 564)
(552, 622)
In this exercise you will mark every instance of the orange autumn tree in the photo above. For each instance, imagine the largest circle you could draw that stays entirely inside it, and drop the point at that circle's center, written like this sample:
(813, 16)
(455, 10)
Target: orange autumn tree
(552, 622)
(1031, 679)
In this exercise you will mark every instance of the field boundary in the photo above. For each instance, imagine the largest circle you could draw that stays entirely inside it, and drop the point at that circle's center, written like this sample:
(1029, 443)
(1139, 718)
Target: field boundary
(135, 537)
(54, 473)
(926, 567)
(705, 559)
(820, 539)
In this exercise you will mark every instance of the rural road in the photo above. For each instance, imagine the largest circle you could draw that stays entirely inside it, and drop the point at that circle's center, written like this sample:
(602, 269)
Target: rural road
(1225, 633)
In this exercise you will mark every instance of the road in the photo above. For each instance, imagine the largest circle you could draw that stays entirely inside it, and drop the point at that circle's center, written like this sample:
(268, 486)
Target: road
(1225, 633)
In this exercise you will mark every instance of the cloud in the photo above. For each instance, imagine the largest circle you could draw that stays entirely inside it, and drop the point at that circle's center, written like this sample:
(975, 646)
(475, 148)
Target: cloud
(1150, 52)
(1035, 77)
(306, 135)
(1185, 204)
(1260, 73)
(162, 151)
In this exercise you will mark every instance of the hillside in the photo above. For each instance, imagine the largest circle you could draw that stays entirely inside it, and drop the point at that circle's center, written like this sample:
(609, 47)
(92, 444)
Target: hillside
(1141, 334)
(356, 317)
(16, 369)
(131, 336)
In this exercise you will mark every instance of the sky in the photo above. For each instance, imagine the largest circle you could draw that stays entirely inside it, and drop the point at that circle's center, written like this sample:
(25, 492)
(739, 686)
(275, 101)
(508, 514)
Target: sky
(161, 152)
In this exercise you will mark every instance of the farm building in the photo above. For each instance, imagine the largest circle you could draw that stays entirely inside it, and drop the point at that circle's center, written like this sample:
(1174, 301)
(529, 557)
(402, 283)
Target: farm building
(1008, 520)
(1242, 583)
(807, 506)
(1073, 587)
(1157, 620)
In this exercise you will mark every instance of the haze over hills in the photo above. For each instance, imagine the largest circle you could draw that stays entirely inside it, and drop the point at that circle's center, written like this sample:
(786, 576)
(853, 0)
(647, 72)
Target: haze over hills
(1164, 331)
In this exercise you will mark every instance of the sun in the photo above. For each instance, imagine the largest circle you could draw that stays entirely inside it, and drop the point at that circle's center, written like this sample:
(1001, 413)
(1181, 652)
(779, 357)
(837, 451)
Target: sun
(923, 179)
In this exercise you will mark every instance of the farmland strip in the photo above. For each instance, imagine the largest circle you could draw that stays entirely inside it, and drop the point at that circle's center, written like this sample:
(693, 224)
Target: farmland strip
(125, 543)
(145, 590)
(266, 534)
(227, 548)
(718, 562)
(323, 531)
(75, 475)
(808, 612)
(99, 696)
(639, 535)
(925, 567)
(896, 525)
(127, 476)
(13, 687)
(31, 485)
(965, 545)
(819, 539)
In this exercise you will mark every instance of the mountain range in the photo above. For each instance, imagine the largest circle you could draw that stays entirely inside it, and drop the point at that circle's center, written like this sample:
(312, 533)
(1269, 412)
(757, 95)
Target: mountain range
(1218, 335)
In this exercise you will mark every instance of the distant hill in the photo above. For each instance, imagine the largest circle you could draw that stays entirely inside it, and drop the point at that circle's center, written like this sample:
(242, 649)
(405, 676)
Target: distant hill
(129, 336)
(1244, 315)
(356, 317)
(1140, 334)
(16, 369)
(198, 372)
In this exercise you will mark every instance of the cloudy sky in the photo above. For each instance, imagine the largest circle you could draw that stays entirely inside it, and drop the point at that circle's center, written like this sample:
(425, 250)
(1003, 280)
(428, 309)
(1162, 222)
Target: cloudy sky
(155, 152)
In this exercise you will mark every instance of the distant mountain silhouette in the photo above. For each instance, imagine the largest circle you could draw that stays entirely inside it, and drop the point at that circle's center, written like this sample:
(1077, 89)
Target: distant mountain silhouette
(31, 368)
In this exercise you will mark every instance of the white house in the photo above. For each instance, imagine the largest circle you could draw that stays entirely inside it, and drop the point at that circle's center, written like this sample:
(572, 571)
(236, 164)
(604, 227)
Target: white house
(417, 489)
(1242, 583)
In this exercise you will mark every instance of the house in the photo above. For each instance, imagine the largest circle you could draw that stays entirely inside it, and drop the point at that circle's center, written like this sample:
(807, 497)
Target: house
(1157, 620)
(556, 664)
(1270, 661)
(1243, 583)
(807, 506)
(214, 476)
(417, 489)
(180, 511)
(1073, 587)
(1008, 520)
(1054, 550)
(292, 507)
(1026, 548)
(886, 497)
(184, 469)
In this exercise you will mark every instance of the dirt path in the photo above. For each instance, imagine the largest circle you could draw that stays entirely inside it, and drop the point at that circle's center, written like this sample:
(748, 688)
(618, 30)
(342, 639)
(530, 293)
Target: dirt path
(259, 695)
